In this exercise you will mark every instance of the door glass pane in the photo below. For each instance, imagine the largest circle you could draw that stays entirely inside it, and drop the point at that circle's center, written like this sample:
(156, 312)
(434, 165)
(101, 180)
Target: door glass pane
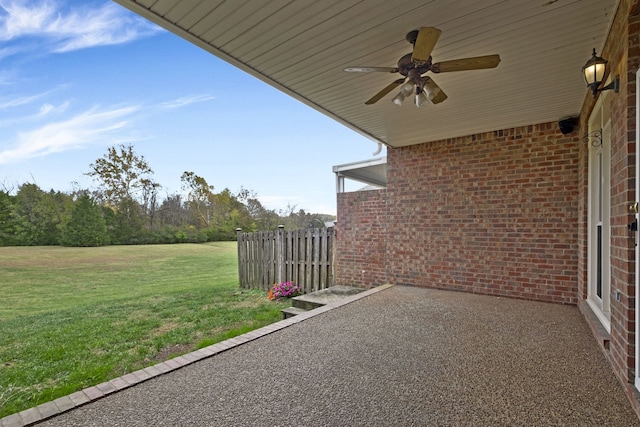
(600, 184)
(599, 261)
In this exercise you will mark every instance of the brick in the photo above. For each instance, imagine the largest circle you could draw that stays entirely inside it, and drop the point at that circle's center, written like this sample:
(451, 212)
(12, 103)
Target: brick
(93, 393)
(30, 416)
(163, 367)
(47, 409)
(141, 375)
(190, 357)
(106, 388)
(64, 403)
(13, 420)
(79, 398)
(131, 379)
(153, 371)
(172, 364)
(119, 383)
(207, 351)
(181, 361)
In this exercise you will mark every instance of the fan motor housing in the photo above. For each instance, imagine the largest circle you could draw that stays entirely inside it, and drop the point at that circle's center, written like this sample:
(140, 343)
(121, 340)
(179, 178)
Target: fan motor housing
(405, 64)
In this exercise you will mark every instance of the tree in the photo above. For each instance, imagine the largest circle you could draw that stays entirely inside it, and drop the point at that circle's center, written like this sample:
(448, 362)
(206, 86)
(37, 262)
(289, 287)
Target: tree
(7, 219)
(149, 191)
(129, 223)
(87, 226)
(199, 197)
(128, 191)
(172, 211)
(122, 174)
(263, 218)
(40, 216)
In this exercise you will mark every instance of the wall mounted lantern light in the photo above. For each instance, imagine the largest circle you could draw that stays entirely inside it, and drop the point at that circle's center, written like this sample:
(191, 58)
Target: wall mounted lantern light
(594, 72)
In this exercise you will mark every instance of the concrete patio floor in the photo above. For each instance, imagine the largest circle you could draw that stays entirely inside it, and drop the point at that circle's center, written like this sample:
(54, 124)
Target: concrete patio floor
(399, 357)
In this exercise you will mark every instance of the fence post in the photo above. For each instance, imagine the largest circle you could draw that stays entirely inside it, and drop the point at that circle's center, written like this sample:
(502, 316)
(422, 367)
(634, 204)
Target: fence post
(279, 253)
(240, 259)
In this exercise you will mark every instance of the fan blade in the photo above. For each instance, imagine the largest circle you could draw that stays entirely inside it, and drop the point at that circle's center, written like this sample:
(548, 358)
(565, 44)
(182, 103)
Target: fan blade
(476, 63)
(377, 97)
(434, 93)
(371, 69)
(425, 42)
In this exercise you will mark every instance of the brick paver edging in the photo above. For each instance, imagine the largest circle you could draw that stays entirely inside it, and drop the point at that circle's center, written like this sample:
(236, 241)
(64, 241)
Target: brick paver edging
(62, 404)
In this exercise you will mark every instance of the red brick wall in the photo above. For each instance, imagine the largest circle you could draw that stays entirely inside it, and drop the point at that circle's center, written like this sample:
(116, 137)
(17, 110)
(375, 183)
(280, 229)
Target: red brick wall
(494, 213)
(361, 239)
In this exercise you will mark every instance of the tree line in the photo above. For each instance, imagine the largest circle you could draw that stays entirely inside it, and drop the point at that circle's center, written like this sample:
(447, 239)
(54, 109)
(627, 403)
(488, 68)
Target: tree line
(126, 209)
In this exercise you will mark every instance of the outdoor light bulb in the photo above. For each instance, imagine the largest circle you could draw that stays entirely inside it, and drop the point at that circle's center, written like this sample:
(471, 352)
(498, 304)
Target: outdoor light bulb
(398, 99)
(407, 89)
(421, 99)
(594, 73)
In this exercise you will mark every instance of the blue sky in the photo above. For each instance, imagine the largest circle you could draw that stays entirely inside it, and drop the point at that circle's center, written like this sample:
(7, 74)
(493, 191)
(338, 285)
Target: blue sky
(79, 76)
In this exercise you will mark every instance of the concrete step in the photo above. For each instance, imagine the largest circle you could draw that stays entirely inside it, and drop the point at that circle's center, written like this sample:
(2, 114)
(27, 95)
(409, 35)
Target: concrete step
(317, 299)
(292, 311)
(326, 296)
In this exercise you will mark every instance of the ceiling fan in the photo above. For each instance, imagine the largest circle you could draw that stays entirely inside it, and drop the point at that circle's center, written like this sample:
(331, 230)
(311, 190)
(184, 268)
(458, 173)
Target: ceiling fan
(413, 65)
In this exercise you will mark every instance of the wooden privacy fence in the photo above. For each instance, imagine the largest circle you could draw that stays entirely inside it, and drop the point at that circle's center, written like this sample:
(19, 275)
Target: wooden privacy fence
(304, 257)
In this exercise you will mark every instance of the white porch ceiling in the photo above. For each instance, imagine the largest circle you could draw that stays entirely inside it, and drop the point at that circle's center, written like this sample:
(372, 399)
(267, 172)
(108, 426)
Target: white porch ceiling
(302, 46)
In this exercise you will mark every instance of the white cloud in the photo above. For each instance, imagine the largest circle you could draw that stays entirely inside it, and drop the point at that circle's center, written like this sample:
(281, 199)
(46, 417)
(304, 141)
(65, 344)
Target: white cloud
(90, 127)
(8, 51)
(20, 19)
(71, 28)
(48, 109)
(44, 110)
(185, 100)
(20, 100)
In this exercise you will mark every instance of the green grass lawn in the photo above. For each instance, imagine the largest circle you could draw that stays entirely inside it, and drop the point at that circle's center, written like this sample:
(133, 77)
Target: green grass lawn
(75, 317)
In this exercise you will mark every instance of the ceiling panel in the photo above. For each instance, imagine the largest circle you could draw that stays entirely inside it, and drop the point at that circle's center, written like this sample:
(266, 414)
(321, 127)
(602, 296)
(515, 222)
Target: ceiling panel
(302, 46)
(187, 12)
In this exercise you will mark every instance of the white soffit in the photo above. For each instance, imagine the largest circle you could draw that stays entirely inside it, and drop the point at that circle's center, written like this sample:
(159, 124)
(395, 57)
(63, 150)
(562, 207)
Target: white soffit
(302, 46)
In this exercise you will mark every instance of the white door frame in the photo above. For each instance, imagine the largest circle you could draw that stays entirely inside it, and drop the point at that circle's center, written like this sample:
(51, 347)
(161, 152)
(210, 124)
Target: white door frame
(599, 212)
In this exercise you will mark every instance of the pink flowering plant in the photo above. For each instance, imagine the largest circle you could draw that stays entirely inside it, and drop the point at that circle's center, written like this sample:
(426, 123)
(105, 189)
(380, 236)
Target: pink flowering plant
(284, 290)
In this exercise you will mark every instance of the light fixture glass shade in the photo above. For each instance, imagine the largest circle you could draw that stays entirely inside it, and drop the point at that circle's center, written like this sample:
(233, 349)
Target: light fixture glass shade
(594, 70)
(431, 94)
(398, 99)
(407, 89)
(421, 99)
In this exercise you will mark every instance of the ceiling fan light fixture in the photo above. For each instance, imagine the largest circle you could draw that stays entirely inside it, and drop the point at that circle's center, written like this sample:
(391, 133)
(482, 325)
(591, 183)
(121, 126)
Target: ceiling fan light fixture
(398, 99)
(414, 65)
(407, 89)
